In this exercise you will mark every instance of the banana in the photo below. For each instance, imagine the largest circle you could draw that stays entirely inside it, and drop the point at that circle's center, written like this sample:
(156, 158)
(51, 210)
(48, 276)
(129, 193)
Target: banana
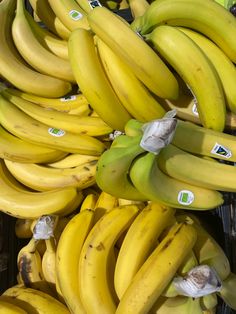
(138, 7)
(209, 301)
(201, 15)
(223, 65)
(147, 177)
(16, 149)
(85, 5)
(92, 80)
(70, 14)
(22, 228)
(196, 70)
(104, 204)
(67, 258)
(138, 243)
(49, 40)
(113, 166)
(66, 103)
(95, 288)
(40, 58)
(92, 126)
(27, 79)
(25, 126)
(133, 95)
(43, 178)
(9, 308)
(71, 161)
(227, 292)
(21, 203)
(43, 9)
(49, 262)
(89, 202)
(145, 63)
(158, 270)
(34, 301)
(189, 263)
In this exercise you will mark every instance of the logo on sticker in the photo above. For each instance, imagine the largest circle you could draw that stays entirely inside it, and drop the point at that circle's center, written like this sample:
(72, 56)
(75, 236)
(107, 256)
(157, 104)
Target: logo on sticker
(56, 132)
(185, 197)
(75, 15)
(221, 150)
(68, 98)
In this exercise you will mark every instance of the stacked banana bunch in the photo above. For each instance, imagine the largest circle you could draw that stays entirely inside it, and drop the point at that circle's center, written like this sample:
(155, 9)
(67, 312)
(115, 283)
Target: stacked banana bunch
(116, 256)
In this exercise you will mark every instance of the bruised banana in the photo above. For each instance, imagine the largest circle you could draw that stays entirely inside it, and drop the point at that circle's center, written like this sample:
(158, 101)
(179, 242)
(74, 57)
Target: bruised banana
(158, 270)
(89, 202)
(35, 54)
(145, 63)
(92, 126)
(27, 79)
(95, 288)
(93, 81)
(39, 133)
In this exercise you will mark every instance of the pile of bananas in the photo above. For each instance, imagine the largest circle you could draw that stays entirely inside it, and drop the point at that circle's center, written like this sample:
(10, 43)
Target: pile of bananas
(107, 219)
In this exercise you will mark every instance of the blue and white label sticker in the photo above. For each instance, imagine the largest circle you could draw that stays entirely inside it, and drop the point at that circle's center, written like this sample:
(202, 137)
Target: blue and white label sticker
(185, 197)
(75, 15)
(56, 132)
(94, 3)
(68, 98)
(221, 151)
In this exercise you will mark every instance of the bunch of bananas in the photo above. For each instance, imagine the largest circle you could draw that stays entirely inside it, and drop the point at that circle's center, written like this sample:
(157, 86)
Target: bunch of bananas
(115, 256)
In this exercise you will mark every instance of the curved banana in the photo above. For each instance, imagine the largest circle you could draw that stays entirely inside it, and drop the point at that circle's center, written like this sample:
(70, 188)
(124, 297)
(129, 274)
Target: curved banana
(196, 70)
(158, 269)
(113, 166)
(133, 95)
(209, 301)
(139, 241)
(9, 308)
(44, 11)
(92, 79)
(104, 204)
(21, 203)
(201, 15)
(28, 45)
(65, 104)
(89, 202)
(16, 149)
(227, 293)
(144, 62)
(67, 262)
(23, 126)
(49, 262)
(43, 178)
(70, 14)
(95, 290)
(138, 7)
(85, 5)
(71, 161)
(157, 186)
(92, 126)
(27, 79)
(34, 300)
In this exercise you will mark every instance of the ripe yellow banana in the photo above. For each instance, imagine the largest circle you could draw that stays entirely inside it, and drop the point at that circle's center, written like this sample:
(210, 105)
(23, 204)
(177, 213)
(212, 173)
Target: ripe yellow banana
(70, 14)
(49, 262)
(27, 79)
(92, 126)
(67, 258)
(95, 287)
(206, 17)
(227, 293)
(92, 79)
(138, 7)
(9, 308)
(71, 161)
(31, 49)
(139, 241)
(44, 11)
(89, 202)
(133, 95)
(34, 300)
(36, 132)
(104, 204)
(128, 45)
(196, 70)
(158, 270)
(85, 5)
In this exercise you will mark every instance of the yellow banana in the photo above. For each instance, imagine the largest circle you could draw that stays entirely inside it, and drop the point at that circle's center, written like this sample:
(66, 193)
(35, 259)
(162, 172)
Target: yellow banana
(24, 127)
(138, 243)
(201, 15)
(67, 258)
(95, 288)
(70, 14)
(9, 308)
(196, 70)
(49, 262)
(158, 270)
(92, 126)
(89, 202)
(71, 161)
(92, 79)
(85, 5)
(21, 203)
(22, 228)
(43, 9)
(144, 62)
(34, 52)
(43, 178)
(105, 203)
(133, 95)
(27, 79)
(227, 292)
(138, 7)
